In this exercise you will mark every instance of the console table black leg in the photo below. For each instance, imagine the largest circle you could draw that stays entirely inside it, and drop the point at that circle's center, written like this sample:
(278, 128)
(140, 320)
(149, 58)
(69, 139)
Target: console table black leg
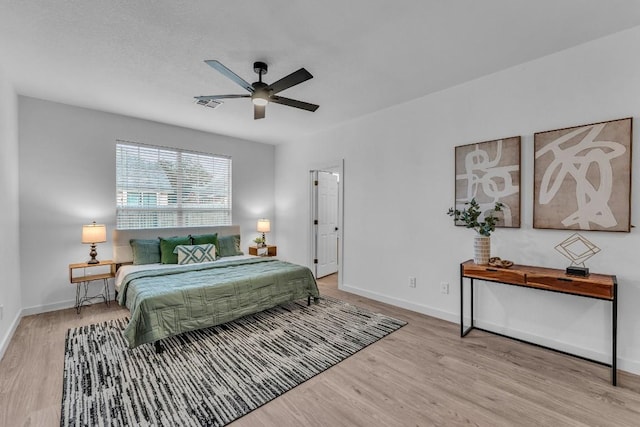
(614, 331)
(463, 331)
(461, 302)
(472, 325)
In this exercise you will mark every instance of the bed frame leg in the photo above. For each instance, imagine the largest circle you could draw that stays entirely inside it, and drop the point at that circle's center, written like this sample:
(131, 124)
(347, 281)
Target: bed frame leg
(309, 300)
(159, 348)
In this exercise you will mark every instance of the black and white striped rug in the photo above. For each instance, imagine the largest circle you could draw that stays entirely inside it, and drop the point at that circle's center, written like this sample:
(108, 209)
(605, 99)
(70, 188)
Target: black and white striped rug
(212, 376)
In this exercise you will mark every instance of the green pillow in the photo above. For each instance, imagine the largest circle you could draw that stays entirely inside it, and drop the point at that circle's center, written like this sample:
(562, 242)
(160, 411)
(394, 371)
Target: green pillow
(145, 251)
(168, 245)
(229, 245)
(204, 239)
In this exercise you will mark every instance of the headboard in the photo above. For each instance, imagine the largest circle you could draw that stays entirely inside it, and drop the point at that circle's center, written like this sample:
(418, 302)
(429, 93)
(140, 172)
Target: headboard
(122, 249)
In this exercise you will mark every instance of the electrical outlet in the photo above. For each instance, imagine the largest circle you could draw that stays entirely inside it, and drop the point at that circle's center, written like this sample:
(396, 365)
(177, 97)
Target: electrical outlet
(444, 288)
(412, 282)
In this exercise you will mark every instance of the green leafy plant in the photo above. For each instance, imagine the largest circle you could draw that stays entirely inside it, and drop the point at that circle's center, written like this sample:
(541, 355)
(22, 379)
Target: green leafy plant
(470, 214)
(258, 240)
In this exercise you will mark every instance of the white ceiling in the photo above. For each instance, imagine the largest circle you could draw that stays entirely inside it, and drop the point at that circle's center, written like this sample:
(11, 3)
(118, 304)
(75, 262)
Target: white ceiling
(144, 58)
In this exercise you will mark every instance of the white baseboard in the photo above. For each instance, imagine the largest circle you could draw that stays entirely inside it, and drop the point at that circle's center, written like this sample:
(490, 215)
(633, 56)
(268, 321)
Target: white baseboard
(626, 365)
(4, 344)
(398, 302)
(37, 309)
(631, 366)
(604, 357)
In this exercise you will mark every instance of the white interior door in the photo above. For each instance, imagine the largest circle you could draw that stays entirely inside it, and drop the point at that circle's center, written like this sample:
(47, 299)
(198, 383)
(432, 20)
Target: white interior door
(327, 224)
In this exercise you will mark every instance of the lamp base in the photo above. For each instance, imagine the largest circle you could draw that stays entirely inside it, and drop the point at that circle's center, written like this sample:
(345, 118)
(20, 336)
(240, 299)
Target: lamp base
(92, 254)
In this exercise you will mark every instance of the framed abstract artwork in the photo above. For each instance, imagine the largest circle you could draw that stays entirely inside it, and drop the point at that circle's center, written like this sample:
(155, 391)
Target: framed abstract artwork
(489, 172)
(582, 177)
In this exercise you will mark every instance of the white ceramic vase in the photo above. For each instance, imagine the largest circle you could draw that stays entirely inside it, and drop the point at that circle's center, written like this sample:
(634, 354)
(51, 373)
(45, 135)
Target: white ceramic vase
(481, 249)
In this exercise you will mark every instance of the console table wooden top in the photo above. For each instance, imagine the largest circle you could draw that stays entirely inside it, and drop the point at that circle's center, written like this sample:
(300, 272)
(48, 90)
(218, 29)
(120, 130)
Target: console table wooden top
(599, 286)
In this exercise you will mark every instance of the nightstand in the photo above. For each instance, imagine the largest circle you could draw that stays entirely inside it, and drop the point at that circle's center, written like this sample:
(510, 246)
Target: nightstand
(82, 281)
(269, 250)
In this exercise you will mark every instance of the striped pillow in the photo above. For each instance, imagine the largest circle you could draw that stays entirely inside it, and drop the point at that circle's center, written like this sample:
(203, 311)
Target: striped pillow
(194, 254)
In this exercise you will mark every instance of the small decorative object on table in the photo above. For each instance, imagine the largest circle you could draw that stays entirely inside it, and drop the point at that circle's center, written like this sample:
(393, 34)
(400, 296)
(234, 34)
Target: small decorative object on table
(259, 242)
(500, 263)
(577, 249)
(483, 221)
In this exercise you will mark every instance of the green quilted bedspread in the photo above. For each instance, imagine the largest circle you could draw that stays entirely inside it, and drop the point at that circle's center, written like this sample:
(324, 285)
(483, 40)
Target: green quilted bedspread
(175, 300)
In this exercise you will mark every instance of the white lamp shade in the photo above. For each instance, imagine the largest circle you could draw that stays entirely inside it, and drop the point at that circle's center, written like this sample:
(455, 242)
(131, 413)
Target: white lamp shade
(264, 225)
(94, 233)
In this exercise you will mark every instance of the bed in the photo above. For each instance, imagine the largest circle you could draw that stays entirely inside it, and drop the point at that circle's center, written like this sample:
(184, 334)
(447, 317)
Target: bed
(167, 299)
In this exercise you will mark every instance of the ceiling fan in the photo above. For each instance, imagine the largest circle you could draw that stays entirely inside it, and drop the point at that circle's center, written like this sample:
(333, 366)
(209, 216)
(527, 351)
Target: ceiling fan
(261, 93)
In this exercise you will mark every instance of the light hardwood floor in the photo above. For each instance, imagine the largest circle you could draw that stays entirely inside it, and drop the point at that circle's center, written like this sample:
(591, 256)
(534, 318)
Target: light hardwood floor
(421, 375)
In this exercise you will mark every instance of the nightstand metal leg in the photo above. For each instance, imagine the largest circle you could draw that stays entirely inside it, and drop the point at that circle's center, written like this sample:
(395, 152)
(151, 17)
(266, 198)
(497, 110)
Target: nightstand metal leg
(83, 297)
(106, 291)
(78, 297)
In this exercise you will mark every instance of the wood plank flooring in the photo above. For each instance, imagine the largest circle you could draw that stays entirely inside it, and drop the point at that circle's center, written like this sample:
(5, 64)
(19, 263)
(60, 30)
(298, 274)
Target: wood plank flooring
(421, 375)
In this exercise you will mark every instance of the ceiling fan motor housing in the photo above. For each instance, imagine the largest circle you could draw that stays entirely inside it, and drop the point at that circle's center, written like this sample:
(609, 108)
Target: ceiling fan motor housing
(260, 68)
(261, 92)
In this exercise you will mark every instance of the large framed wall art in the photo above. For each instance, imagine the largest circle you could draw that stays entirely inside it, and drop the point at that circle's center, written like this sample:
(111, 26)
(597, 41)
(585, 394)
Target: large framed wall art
(489, 172)
(582, 177)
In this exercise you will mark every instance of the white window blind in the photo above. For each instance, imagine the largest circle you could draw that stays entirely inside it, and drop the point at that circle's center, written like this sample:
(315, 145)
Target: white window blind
(165, 187)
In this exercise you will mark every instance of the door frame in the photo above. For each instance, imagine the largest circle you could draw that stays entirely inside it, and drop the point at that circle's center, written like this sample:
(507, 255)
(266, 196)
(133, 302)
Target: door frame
(336, 166)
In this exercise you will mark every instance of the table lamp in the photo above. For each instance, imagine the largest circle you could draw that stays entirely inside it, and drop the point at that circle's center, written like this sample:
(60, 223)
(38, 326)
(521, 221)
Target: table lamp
(92, 234)
(264, 226)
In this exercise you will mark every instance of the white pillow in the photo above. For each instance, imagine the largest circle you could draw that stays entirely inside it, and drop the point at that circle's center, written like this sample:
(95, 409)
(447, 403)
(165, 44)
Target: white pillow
(194, 254)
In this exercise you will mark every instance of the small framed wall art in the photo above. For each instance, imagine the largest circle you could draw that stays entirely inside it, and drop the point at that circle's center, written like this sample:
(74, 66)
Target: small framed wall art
(489, 172)
(582, 177)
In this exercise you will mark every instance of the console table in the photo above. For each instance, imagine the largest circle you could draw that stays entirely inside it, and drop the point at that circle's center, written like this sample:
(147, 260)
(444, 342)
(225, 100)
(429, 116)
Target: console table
(597, 286)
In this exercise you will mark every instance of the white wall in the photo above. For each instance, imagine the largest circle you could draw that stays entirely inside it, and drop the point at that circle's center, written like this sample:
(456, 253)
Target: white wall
(67, 178)
(399, 184)
(9, 220)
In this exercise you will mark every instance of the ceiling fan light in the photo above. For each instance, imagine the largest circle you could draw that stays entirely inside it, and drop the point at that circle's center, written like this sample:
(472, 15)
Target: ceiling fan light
(261, 102)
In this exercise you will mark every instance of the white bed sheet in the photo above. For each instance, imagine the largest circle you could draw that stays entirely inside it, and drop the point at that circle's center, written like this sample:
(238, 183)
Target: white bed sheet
(129, 268)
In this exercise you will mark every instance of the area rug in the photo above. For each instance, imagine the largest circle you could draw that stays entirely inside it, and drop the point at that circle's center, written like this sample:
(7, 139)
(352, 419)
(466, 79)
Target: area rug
(213, 376)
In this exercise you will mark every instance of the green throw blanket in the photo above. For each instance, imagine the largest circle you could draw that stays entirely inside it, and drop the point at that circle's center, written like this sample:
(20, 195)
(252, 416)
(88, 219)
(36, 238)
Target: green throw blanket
(170, 301)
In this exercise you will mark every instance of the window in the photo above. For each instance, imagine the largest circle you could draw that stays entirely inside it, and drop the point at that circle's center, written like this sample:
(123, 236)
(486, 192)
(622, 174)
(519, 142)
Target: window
(165, 187)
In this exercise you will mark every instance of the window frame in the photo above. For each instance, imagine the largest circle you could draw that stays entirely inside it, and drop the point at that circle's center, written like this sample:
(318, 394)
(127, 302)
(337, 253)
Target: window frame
(173, 180)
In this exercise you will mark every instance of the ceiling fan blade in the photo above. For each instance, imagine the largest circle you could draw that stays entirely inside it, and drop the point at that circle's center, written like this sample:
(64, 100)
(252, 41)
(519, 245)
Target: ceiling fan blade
(208, 97)
(258, 111)
(292, 79)
(293, 103)
(213, 63)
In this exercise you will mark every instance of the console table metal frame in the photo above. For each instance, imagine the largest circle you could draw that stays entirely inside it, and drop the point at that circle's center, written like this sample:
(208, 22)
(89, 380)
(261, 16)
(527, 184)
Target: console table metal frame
(560, 276)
